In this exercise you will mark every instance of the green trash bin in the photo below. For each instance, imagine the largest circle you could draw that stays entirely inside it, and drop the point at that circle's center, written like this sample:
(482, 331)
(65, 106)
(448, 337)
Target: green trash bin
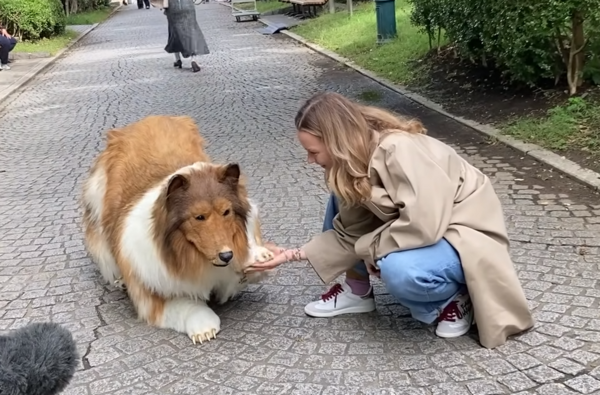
(385, 11)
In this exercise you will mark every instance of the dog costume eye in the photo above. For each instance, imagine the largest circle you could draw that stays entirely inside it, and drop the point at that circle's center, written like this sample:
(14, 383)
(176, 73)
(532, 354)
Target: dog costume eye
(226, 213)
(200, 218)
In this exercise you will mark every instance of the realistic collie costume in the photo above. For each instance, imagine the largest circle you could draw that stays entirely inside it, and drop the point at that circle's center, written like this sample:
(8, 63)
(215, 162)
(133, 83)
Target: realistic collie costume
(171, 226)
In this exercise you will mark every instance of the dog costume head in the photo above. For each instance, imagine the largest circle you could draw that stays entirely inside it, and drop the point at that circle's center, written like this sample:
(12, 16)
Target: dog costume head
(206, 208)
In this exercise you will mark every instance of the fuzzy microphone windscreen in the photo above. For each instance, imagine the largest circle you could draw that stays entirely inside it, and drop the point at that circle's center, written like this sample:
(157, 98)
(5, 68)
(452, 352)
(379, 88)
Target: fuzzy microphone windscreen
(38, 359)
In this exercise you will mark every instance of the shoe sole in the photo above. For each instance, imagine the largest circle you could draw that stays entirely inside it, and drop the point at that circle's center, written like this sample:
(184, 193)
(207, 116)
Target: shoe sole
(457, 334)
(452, 335)
(347, 310)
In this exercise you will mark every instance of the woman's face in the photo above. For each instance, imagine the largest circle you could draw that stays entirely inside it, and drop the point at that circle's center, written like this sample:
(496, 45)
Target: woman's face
(317, 153)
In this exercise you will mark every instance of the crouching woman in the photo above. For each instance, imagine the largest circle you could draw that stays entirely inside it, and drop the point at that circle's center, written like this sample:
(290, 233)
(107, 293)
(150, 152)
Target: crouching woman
(406, 208)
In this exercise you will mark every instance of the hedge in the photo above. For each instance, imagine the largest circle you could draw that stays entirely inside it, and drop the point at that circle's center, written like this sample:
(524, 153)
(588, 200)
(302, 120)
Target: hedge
(528, 40)
(33, 19)
(74, 6)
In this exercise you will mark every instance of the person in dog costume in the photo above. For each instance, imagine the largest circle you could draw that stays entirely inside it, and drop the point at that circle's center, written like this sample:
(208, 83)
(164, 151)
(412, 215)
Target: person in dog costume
(408, 209)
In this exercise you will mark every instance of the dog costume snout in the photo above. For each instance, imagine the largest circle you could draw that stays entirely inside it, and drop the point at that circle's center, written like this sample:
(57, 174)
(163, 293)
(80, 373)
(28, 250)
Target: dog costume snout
(226, 256)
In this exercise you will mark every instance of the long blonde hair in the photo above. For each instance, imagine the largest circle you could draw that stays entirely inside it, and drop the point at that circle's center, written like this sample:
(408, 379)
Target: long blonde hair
(350, 132)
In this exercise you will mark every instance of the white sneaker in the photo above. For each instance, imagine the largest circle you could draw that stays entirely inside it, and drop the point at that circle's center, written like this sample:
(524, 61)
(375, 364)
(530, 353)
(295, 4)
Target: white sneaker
(457, 318)
(340, 300)
(4, 67)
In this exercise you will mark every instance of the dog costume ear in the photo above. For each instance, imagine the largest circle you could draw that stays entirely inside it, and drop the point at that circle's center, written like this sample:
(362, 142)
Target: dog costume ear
(230, 174)
(176, 183)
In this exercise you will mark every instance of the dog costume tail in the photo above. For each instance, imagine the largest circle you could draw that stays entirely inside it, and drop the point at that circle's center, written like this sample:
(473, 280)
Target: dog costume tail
(38, 359)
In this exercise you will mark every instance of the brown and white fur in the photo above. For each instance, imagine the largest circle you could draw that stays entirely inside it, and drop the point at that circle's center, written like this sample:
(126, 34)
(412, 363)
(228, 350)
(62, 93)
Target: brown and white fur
(169, 224)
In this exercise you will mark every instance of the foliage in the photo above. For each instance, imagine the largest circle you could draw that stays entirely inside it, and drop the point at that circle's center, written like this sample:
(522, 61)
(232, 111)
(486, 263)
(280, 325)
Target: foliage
(573, 125)
(529, 40)
(32, 19)
(76, 6)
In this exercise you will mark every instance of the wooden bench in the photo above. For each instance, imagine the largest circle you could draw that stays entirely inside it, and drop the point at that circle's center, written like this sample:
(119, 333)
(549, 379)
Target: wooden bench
(304, 9)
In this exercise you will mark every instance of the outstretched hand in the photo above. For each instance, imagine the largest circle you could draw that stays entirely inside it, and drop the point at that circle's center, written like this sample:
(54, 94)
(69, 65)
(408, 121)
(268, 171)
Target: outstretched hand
(268, 265)
(281, 256)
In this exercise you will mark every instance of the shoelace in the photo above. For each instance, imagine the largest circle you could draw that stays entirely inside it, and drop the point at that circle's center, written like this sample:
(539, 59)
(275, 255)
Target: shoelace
(451, 313)
(332, 293)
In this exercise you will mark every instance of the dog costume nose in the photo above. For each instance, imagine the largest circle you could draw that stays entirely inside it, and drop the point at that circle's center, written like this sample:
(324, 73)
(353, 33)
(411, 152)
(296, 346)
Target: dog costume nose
(226, 256)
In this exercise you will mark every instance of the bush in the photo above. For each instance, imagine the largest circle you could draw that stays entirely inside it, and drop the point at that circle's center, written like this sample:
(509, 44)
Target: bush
(33, 19)
(528, 40)
(75, 6)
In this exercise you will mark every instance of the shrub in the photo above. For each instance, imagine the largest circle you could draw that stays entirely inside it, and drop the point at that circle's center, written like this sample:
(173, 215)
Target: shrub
(33, 19)
(75, 6)
(529, 40)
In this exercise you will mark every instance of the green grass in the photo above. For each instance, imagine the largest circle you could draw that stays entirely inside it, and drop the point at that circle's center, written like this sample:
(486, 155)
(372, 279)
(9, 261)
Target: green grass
(355, 38)
(89, 17)
(269, 5)
(370, 96)
(51, 45)
(574, 125)
(55, 44)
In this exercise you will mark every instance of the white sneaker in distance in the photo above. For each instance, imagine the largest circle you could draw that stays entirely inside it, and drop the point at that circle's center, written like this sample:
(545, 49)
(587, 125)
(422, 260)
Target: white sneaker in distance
(340, 300)
(457, 318)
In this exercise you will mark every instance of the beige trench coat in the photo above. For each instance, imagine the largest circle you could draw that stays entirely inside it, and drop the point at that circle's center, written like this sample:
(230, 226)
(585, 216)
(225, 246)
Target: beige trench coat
(423, 191)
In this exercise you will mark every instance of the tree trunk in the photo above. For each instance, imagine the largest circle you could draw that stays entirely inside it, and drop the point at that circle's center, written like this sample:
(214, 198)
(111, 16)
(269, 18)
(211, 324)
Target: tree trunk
(578, 45)
(572, 52)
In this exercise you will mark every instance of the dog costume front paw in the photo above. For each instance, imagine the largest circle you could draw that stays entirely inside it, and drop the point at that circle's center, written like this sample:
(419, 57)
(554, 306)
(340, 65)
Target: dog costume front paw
(193, 318)
(262, 254)
(202, 325)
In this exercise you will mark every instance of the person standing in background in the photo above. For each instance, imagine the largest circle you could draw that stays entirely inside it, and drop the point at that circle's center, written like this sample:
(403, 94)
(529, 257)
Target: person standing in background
(185, 37)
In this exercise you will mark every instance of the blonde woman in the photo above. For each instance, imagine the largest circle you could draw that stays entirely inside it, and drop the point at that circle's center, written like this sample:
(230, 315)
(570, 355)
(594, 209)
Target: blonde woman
(406, 208)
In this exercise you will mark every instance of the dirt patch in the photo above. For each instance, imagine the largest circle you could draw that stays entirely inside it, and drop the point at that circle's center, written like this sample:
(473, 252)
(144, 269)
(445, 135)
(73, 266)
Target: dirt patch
(474, 93)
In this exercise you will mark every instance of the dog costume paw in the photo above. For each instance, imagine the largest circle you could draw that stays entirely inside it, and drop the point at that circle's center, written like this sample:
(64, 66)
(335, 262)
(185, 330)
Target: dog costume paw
(203, 325)
(262, 254)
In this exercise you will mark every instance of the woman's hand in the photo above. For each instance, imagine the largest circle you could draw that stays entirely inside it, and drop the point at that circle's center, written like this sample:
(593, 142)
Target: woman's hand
(273, 248)
(281, 256)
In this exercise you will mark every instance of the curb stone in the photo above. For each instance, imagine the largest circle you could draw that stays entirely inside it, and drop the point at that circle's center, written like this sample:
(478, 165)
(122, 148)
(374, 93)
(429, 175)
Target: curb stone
(28, 55)
(571, 169)
(42, 65)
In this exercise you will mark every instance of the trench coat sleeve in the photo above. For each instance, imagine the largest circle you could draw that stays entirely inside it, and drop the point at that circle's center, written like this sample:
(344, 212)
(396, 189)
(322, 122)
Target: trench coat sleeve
(331, 253)
(423, 194)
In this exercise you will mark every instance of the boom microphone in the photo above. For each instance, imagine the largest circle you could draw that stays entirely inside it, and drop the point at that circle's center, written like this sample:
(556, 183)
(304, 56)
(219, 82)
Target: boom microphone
(38, 359)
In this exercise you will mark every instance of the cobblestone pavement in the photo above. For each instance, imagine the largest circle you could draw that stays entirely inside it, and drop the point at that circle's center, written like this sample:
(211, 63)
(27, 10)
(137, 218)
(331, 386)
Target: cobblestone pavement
(245, 99)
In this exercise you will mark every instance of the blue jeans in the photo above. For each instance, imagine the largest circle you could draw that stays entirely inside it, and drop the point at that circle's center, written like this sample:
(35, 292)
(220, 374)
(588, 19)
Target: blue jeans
(425, 280)
(6, 45)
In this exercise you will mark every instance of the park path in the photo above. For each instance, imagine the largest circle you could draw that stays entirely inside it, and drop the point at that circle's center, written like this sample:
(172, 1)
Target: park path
(245, 100)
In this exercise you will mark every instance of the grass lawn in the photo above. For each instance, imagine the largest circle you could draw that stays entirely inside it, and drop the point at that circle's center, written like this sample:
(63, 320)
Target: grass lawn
(51, 45)
(575, 125)
(89, 17)
(355, 38)
(55, 44)
(269, 5)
